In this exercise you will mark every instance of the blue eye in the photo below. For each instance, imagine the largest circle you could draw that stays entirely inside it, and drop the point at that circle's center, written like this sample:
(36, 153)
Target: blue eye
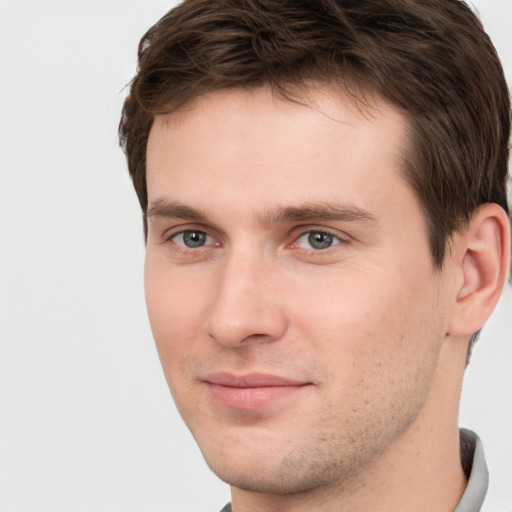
(192, 239)
(317, 240)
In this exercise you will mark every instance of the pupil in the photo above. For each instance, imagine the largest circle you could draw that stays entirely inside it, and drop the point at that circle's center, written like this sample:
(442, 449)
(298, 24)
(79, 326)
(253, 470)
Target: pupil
(194, 238)
(320, 240)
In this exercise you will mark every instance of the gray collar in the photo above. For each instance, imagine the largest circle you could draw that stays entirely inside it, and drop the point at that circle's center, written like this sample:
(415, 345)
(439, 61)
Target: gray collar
(473, 461)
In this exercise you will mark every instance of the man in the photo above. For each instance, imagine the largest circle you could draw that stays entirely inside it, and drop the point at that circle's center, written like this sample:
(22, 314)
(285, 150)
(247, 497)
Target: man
(323, 186)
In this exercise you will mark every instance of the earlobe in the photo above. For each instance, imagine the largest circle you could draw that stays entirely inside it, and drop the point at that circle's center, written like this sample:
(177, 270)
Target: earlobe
(483, 253)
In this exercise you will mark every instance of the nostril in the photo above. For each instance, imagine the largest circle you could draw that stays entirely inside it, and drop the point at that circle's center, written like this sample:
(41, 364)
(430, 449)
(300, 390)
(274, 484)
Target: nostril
(261, 327)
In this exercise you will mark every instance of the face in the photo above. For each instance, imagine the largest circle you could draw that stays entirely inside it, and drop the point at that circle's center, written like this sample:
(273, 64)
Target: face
(289, 283)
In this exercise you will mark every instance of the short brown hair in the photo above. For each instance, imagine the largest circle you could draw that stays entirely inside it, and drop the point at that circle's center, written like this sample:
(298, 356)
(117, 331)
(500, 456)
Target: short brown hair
(430, 58)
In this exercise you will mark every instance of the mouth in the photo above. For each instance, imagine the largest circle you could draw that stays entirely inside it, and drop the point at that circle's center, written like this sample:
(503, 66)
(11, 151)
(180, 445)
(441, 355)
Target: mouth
(251, 391)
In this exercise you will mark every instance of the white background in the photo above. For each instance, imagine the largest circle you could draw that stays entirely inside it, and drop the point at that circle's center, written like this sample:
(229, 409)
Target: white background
(86, 421)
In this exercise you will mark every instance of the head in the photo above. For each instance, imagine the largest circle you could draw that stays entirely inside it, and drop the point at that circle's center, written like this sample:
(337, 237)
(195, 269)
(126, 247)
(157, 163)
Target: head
(419, 83)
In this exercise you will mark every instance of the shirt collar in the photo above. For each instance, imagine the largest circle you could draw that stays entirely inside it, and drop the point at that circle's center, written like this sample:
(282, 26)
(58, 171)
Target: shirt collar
(473, 458)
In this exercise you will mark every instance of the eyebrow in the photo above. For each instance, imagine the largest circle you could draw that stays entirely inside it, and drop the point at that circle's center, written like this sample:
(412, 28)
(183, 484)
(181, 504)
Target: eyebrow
(278, 215)
(319, 212)
(174, 210)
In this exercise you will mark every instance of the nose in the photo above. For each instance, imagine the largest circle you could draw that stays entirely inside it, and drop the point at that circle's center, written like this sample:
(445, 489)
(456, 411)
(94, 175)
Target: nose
(245, 305)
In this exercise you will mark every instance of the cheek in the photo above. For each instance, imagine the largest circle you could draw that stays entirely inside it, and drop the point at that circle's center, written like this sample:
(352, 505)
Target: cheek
(175, 314)
(379, 346)
(368, 324)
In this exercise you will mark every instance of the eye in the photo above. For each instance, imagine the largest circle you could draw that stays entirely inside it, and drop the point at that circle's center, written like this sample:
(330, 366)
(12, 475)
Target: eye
(317, 240)
(192, 239)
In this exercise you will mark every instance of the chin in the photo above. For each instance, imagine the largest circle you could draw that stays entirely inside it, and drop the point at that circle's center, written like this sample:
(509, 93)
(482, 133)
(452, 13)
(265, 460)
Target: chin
(284, 479)
(285, 471)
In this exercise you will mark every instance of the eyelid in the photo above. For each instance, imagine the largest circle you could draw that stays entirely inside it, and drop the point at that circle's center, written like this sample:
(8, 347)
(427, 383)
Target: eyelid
(299, 231)
(181, 237)
(169, 234)
(304, 230)
(306, 236)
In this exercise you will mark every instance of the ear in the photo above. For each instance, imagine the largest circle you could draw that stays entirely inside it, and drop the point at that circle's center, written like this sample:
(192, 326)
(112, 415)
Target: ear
(481, 255)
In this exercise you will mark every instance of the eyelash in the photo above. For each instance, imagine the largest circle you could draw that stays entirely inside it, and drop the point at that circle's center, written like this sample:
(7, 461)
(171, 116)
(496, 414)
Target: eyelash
(171, 238)
(295, 244)
(334, 238)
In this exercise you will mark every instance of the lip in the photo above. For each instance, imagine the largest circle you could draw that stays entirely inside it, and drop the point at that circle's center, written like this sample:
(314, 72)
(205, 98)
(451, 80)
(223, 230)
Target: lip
(251, 391)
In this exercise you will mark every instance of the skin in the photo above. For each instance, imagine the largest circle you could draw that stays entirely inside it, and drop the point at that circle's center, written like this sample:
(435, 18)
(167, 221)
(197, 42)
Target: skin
(364, 323)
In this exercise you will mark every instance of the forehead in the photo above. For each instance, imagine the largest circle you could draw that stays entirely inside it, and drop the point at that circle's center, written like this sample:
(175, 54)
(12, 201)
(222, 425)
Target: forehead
(327, 144)
(252, 107)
